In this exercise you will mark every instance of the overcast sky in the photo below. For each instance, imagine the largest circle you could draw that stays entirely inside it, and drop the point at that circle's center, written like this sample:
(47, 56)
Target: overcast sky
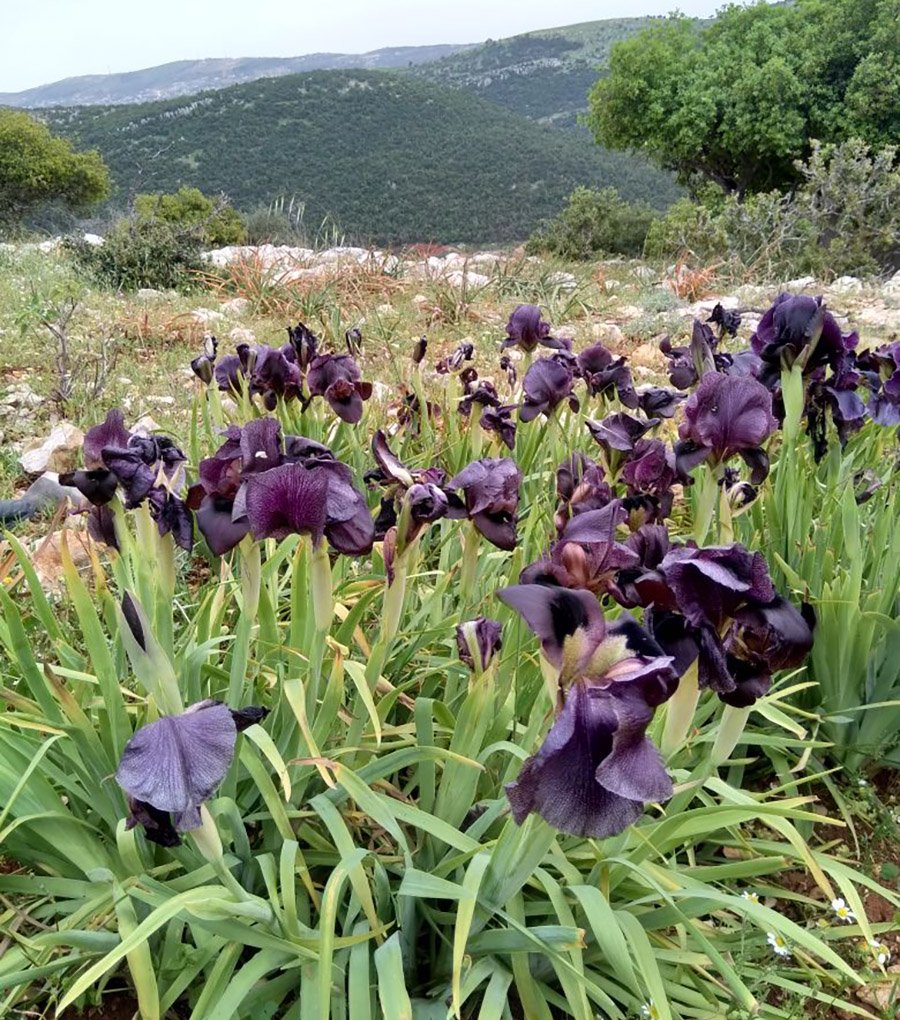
(44, 40)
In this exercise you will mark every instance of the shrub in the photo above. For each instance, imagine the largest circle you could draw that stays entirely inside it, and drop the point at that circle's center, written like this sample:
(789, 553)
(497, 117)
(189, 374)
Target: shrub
(843, 219)
(217, 221)
(142, 253)
(595, 222)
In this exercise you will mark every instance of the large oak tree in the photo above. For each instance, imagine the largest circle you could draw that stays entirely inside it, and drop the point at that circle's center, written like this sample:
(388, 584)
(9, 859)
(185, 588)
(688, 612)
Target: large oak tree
(37, 167)
(739, 100)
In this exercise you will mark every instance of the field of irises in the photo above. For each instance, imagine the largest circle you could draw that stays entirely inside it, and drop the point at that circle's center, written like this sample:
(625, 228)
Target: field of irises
(504, 686)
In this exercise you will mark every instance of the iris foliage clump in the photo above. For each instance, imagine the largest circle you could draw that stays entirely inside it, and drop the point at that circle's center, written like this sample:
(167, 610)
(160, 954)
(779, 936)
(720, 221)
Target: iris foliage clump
(513, 703)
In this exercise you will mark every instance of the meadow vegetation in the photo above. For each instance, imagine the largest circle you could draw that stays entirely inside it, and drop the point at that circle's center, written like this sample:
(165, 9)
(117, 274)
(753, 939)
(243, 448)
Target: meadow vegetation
(359, 858)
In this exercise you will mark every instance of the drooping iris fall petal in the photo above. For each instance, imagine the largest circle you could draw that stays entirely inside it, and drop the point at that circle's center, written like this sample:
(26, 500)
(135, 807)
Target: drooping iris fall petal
(287, 500)
(173, 765)
(726, 415)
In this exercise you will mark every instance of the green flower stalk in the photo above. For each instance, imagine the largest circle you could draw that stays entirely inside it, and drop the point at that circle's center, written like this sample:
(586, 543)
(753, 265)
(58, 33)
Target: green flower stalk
(469, 564)
(680, 711)
(320, 585)
(728, 736)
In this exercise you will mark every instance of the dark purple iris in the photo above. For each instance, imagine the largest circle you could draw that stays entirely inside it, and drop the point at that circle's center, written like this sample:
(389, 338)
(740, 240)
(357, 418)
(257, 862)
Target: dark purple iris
(500, 420)
(591, 565)
(650, 470)
(171, 766)
(526, 329)
(203, 365)
(548, 382)
(478, 641)
(717, 606)
(617, 435)
(101, 525)
(490, 499)
(337, 378)
(882, 368)
(484, 394)
(798, 328)
(835, 396)
(230, 375)
(580, 487)
(286, 500)
(275, 376)
(416, 497)
(419, 349)
(656, 401)
(304, 344)
(729, 322)
(596, 768)
(173, 517)
(724, 416)
(605, 374)
(506, 364)
(143, 466)
(255, 482)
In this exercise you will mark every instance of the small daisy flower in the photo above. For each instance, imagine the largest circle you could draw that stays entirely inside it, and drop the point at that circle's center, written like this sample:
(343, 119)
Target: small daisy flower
(779, 946)
(843, 912)
(881, 951)
(751, 897)
(649, 1011)
(861, 782)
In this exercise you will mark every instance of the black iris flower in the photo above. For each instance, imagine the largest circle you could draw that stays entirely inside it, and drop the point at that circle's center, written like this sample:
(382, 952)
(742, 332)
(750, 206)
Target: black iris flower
(171, 766)
(596, 769)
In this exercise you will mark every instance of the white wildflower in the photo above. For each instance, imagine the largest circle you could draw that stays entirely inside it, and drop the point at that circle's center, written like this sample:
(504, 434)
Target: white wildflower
(779, 946)
(843, 912)
(649, 1011)
(750, 897)
(881, 951)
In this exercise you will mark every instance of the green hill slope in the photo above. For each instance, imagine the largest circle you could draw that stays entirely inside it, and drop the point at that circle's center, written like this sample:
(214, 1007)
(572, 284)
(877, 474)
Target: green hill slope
(543, 75)
(391, 158)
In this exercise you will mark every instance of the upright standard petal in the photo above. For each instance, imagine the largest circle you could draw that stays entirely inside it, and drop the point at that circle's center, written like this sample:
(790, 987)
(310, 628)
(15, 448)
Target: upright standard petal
(526, 329)
(568, 623)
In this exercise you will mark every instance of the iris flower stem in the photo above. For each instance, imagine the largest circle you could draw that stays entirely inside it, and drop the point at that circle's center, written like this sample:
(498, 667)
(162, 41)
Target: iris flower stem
(680, 711)
(708, 490)
(321, 590)
(731, 729)
(471, 544)
(394, 596)
(251, 576)
(726, 519)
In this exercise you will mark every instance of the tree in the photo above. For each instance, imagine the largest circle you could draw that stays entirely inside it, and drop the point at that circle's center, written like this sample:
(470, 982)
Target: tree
(37, 167)
(740, 101)
(216, 221)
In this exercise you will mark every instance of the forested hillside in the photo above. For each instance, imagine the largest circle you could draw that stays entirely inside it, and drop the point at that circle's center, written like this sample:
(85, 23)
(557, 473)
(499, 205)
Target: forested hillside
(391, 158)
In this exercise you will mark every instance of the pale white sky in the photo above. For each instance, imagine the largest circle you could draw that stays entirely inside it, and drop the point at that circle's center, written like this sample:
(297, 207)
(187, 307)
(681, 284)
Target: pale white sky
(44, 40)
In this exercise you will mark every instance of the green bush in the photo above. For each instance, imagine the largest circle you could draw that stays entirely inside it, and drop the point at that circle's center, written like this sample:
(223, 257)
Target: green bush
(142, 253)
(217, 222)
(688, 228)
(595, 222)
(843, 219)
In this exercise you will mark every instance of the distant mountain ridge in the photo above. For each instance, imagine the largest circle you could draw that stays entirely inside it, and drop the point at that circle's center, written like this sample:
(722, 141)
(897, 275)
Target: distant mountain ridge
(544, 75)
(185, 77)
